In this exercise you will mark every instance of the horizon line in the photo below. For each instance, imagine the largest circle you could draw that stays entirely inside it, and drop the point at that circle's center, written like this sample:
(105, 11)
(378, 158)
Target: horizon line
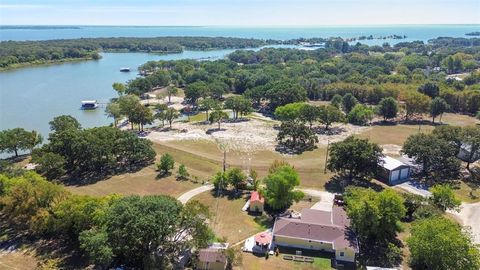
(247, 26)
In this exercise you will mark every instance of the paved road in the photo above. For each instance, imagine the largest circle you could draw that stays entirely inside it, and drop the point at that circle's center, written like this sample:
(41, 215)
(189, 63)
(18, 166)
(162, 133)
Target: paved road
(185, 197)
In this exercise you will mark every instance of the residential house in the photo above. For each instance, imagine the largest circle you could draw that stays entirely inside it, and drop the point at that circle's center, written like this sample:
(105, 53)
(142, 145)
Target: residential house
(393, 171)
(257, 202)
(213, 257)
(318, 230)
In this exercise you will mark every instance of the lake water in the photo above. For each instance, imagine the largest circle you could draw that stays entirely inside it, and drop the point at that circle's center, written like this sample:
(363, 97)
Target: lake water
(413, 32)
(31, 97)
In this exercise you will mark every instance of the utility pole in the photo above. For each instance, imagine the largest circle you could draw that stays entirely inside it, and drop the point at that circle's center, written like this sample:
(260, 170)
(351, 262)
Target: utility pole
(326, 157)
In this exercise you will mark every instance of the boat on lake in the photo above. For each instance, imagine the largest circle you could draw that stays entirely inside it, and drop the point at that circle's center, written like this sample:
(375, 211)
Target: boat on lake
(126, 69)
(89, 104)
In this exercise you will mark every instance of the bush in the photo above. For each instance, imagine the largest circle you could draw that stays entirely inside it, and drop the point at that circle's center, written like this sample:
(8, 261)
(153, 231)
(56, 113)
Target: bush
(166, 164)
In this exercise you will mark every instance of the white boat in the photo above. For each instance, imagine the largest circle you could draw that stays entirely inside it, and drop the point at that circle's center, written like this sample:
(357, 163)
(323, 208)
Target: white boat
(126, 69)
(89, 104)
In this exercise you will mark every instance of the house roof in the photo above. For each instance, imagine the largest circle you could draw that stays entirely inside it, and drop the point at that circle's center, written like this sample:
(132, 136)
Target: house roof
(212, 255)
(390, 163)
(320, 226)
(255, 197)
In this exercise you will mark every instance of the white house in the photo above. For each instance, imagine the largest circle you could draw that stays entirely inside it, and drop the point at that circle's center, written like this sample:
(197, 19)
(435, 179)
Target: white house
(393, 171)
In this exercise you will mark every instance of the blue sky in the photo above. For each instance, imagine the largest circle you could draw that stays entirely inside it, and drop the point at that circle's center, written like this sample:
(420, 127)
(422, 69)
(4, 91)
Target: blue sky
(239, 12)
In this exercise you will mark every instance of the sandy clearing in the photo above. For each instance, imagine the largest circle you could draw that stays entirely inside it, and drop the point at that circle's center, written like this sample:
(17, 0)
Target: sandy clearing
(256, 134)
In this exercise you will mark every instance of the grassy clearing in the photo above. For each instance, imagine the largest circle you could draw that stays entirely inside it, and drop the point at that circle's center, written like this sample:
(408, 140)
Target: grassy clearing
(147, 181)
(17, 260)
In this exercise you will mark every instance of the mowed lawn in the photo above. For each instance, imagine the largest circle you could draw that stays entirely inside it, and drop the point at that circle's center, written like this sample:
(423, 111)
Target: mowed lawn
(253, 262)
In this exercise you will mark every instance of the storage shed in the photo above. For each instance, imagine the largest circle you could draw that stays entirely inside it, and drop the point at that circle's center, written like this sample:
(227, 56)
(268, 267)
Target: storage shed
(256, 202)
(393, 171)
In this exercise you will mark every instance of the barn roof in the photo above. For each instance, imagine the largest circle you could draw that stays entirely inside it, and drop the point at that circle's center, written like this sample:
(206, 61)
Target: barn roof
(256, 197)
(390, 163)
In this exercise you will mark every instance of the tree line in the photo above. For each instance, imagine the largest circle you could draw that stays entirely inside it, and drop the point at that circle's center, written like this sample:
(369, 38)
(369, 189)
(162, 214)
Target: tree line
(14, 53)
(95, 152)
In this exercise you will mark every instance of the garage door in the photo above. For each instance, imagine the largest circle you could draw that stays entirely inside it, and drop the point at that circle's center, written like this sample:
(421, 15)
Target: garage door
(394, 176)
(404, 173)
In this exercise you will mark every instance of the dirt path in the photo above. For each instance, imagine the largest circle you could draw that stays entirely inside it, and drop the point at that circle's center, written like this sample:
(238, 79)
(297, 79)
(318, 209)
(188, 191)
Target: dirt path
(185, 197)
(470, 217)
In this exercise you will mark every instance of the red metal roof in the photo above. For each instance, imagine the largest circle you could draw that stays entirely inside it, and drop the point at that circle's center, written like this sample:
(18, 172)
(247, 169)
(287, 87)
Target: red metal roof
(263, 238)
(256, 197)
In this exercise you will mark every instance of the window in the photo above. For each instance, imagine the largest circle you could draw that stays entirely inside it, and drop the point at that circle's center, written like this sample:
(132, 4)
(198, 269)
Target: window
(342, 254)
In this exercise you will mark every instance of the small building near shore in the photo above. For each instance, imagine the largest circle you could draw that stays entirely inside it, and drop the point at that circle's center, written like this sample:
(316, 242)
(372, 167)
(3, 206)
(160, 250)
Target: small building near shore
(393, 171)
(257, 202)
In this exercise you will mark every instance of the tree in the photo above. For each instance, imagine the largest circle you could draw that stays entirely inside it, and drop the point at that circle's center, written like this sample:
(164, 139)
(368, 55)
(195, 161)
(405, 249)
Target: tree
(360, 115)
(194, 91)
(120, 88)
(336, 101)
(27, 201)
(289, 112)
(64, 122)
(451, 134)
(387, 108)
(182, 172)
(438, 243)
(95, 244)
(284, 92)
(220, 181)
(471, 136)
(166, 164)
(296, 136)
(436, 156)
(218, 116)
(348, 102)
(438, 106)
(444, 198)
(128, 105)
(113, 110)
(236, 178)
(415, 103)
(141, 115)
(329, 114)
(279, 188)
(238, 104)
(138, 227)
(309, 113)
(430, 89)
(386, 210)
(50, 165)
(170, 115)
(17, 139)
(354, 157)
(171, 91)
(375, 218)
(208, 104)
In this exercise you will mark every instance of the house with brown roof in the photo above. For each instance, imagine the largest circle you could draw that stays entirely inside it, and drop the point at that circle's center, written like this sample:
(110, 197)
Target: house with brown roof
(318, 230)
(213, 257)
(256, 202)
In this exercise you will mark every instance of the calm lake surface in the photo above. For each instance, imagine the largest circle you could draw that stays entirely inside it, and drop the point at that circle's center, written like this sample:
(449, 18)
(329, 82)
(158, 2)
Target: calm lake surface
(413, 32)
(31, 97)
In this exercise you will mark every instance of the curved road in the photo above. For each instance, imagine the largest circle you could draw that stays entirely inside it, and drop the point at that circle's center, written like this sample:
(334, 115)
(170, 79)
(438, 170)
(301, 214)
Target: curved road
(185, 197)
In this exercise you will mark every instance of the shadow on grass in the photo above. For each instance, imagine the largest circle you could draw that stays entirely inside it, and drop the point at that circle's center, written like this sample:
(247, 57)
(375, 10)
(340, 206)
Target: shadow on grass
(338, 184)
(14, 236)
(229, 194)
(263, 221)
(88, 178)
